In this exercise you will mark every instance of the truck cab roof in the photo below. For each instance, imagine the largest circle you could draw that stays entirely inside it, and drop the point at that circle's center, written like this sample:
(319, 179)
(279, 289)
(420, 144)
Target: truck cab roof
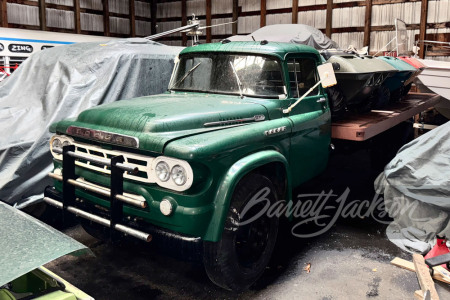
(271, 48)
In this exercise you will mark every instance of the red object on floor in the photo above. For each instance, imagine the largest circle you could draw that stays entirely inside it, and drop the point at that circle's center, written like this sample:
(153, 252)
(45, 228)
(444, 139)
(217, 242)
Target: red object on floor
(439, 248)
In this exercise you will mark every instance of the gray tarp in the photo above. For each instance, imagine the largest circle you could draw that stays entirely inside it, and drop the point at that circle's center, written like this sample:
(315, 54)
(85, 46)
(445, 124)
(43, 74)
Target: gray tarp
(416, 188)
(59, 83)
(27, 243)
(290, 33)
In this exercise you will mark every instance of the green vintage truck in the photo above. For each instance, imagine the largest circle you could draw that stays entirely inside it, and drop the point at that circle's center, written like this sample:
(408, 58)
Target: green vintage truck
(180, 167)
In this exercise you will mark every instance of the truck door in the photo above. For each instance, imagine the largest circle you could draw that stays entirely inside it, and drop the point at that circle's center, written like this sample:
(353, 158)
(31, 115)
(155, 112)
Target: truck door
(311, 121)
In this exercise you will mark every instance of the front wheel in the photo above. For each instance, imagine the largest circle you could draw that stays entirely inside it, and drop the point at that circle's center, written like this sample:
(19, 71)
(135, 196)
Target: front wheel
(241, 256)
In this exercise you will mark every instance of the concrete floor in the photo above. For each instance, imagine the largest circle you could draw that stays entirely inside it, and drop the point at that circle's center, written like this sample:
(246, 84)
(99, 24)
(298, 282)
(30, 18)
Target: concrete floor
(349, 261)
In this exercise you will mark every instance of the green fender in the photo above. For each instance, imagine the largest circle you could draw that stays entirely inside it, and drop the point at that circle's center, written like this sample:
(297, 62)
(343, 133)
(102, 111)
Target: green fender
(226, 187)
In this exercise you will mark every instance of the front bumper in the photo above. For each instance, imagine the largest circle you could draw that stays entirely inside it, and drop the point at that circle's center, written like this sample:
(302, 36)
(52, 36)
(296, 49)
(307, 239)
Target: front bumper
(190, 213)
(171, 242)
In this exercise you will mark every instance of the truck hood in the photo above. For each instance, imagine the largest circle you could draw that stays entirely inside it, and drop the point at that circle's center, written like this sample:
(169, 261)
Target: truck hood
(156, 120)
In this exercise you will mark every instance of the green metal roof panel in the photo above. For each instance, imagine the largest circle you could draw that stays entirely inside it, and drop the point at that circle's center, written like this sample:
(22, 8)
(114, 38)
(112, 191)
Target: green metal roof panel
(26, 243)
(271, 48)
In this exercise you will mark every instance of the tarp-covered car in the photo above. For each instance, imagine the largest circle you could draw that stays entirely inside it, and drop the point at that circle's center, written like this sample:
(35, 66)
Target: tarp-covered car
(290, 33)
(416, 188)
(59, 83)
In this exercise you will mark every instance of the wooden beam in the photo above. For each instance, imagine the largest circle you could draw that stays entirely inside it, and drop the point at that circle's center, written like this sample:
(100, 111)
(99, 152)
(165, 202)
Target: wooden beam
(263, 13)
(418, 295)
(367, 23)
(132, 18)
(423, 26)
(329, 20)
(153, 8)
(24, 2)
(423, 274)
(440, 273)
(3, 14)
(77, 21)
(106, 18)
(118, 15)
(294, 11)
(184, 21)
(208, 20)
(235, 16)
(42, 16)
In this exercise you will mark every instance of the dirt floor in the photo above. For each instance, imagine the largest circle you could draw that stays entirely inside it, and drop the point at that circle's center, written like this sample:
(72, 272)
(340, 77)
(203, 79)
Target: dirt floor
(350, 260)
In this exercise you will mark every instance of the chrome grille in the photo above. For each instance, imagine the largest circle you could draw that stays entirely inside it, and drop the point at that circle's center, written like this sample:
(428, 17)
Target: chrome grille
(143, 163)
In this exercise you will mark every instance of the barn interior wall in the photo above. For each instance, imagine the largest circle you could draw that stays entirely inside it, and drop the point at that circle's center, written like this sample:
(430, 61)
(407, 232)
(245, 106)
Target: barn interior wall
(347, 25)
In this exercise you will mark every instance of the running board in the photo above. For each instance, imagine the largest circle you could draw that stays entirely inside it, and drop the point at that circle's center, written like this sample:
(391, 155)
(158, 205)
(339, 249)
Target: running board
(102, 221)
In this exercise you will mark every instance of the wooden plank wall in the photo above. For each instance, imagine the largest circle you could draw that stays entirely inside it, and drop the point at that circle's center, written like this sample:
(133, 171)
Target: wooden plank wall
(348, 22)
(118, 18)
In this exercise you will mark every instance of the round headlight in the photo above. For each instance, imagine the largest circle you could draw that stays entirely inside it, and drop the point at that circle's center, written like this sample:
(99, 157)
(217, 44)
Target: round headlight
(56, 143)
(162, 171)
(65, 143)
(179, 175)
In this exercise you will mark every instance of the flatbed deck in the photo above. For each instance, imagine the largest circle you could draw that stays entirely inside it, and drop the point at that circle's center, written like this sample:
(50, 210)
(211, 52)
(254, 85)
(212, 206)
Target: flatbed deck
(362, 127)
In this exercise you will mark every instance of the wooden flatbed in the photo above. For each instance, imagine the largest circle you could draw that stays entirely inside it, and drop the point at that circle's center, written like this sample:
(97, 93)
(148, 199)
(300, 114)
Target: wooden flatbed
(364, 126)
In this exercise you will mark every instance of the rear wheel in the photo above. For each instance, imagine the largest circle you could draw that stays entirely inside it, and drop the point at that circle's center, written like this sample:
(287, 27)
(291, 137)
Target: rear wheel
(241, 256)
(337, 101)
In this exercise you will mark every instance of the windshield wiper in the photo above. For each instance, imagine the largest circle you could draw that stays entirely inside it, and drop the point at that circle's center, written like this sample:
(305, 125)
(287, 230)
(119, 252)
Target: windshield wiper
(187, 74)
(237, 79)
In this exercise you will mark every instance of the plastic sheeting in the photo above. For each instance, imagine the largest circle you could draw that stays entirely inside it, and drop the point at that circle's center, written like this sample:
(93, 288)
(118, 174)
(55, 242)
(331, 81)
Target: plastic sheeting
(59, 83)
(27, 243)
(416, 188)
(290, 33)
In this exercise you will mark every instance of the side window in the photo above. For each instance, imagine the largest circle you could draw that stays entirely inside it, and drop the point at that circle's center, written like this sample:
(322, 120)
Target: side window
(302, 76)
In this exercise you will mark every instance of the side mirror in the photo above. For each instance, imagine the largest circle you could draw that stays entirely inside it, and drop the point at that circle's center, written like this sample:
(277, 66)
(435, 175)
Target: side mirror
(326, 74)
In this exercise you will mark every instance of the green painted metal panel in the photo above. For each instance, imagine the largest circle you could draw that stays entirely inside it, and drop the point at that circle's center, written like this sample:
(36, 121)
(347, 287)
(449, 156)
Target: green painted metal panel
(27, 243)
(230, 180)
(173, 124)
(272, 48)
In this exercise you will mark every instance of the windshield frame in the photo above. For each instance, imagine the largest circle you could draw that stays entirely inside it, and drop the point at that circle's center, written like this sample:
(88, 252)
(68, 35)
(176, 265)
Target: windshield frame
(205, 54)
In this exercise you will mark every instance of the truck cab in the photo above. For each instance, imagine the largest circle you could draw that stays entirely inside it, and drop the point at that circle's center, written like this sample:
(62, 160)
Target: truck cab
(187, 167)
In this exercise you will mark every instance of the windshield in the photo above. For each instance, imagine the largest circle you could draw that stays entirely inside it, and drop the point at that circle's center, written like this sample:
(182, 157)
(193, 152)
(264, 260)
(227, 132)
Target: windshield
(251, 75)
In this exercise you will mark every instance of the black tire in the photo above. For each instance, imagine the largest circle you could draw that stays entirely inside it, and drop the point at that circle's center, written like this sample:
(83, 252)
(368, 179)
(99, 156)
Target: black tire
(241, 256)
(338, 104)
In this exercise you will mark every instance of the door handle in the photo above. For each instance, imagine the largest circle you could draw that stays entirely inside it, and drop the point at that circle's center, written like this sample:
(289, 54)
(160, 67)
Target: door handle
(321, 100)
